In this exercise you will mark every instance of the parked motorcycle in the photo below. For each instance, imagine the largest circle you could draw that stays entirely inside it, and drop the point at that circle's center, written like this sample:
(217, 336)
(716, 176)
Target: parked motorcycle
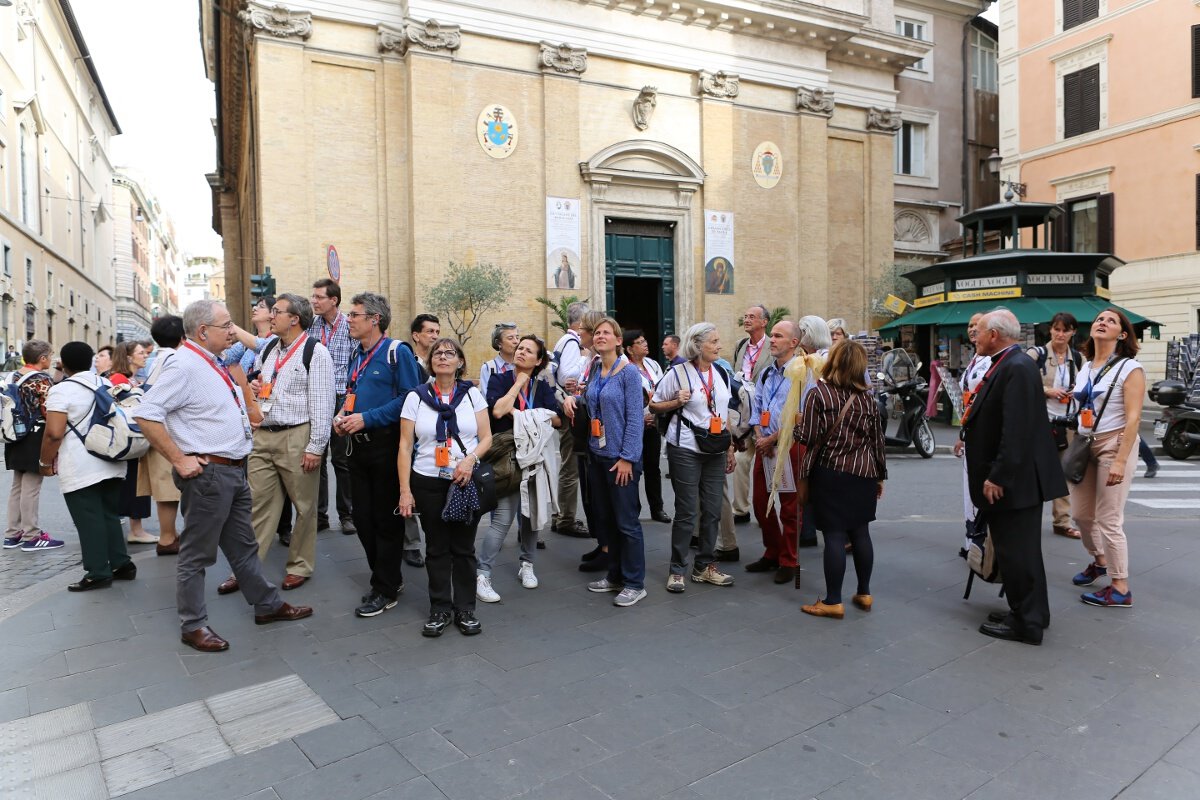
(900, 379)
(1179, 425)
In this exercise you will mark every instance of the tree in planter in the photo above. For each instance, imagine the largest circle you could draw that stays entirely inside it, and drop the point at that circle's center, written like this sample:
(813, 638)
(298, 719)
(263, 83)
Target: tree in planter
(467, 294)
(560, 309)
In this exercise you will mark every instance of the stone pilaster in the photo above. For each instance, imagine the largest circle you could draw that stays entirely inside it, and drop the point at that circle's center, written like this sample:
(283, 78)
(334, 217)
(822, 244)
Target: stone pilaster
(813, 214)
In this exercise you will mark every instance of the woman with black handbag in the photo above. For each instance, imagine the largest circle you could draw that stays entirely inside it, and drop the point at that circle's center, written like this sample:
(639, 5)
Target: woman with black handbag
(842, 472)
(508, 394)
(1109, 388)
(444, 430)
(699, 451)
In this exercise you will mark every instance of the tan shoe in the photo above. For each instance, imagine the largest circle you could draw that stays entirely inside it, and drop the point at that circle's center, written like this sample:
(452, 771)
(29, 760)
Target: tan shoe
(863, 601)
(819, 609)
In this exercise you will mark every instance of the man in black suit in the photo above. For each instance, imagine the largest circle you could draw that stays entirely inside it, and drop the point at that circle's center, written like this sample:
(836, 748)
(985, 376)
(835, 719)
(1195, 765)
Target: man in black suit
(1012, 470)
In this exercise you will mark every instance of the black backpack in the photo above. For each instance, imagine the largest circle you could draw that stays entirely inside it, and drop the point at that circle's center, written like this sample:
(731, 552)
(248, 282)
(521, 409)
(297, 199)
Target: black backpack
(309, 346)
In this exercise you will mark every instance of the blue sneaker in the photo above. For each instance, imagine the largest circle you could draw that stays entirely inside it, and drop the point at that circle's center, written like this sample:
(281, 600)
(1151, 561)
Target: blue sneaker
(1089, 575)
(13, 541)
(43, 542)
(1108, 597)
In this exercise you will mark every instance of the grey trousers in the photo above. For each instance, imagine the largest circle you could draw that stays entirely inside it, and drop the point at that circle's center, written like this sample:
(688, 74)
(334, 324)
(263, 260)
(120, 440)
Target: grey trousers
(568, 479)
(699, 483)
(216, 513)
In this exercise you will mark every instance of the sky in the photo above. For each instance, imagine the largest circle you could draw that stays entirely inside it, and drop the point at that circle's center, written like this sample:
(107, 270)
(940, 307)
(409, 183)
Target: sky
(150, 63)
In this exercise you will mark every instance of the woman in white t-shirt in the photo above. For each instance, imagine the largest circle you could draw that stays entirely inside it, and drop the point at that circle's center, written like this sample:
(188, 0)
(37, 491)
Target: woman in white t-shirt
(444, 430)
(969, 381)
(1109, 389)
(91, 486)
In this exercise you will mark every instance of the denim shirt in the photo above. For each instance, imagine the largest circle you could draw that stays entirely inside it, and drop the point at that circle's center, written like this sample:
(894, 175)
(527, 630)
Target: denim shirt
(619, 400)
(771, 395)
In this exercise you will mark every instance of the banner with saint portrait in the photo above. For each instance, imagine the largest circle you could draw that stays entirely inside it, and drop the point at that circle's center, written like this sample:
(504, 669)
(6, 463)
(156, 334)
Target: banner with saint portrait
(562, 243)
(718, 252)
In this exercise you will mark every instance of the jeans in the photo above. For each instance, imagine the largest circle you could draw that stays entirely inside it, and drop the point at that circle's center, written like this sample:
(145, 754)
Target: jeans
(507, 508)
(615, 510)
(449, 548)
(1146, 453)
(699, 481)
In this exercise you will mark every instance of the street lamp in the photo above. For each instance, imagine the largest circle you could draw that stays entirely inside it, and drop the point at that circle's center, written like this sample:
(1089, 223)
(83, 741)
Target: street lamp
(993, 164)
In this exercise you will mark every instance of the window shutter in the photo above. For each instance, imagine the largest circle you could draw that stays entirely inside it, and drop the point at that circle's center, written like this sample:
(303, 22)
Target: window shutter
(1071, 13)
(1105, 224)
(1071, 105)
(1089, 98)
(1088, 10)
(1196, 61)
(1198, 212)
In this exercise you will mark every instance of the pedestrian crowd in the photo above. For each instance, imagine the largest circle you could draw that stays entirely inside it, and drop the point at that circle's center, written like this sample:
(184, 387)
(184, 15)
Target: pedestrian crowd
(236, 427)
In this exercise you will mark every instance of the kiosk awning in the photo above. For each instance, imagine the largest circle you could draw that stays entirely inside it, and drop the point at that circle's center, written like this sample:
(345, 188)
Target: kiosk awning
(1029, 310)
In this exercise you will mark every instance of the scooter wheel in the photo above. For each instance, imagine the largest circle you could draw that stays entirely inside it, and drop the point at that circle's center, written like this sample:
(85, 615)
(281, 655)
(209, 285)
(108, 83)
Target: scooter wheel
(1176, 442)
(923, 440)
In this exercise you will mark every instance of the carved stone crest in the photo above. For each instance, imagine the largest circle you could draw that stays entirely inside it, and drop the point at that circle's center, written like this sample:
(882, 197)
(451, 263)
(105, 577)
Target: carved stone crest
(563, 59)
(429, 35)
(722, 85)
(816, 101)
(643, 107)
(277, 20)
(885, 120)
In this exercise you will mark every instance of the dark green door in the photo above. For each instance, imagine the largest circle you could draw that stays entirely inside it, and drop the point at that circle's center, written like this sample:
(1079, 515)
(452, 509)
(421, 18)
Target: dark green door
(639, 277)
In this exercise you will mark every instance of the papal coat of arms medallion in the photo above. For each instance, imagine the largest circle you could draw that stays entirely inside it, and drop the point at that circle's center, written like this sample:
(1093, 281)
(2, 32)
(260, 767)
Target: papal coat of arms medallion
(497, 131)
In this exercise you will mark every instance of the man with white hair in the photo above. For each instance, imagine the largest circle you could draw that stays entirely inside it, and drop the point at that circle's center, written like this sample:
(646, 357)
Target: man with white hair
(1012, 470)
(569, 365)
(196, 418)
(750, 362)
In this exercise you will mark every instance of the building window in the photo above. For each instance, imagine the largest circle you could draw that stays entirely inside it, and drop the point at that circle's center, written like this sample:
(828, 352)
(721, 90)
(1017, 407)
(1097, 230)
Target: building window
(28, 272)
(8, 260)
(25, 155)
(71, 295)
(30, 322)
(1196, 61)
(910, 149)
(984, 71)
(1197, 214)
(1081, 101)
(49, 287)
(1090, 224)
(914, 29)
(1077, 12)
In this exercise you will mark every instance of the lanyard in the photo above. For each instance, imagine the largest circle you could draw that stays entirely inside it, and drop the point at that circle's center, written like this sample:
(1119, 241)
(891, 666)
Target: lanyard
(708, 390)
(281, 358)
(978, 389)
(224, 373)
(525, 398)
(754, 359)
(778, 374)
(362, 364)
(325, 337)
(1094, 378)
(646, 372)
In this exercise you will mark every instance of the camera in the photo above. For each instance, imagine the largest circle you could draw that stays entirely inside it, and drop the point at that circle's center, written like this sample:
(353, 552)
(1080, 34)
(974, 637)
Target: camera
(1068, 421)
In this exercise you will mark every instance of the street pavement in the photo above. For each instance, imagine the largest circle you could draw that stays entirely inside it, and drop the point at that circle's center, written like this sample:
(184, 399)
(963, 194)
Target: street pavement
(719, 692)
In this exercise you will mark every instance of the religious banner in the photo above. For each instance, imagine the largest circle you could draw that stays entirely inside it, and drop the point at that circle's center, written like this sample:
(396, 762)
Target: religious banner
(718, 252)
(562, 243)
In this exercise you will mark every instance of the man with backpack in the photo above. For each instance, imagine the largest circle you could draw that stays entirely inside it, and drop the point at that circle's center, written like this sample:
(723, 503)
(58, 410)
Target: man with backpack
(750, 363)
(381, 374)
(568, 366)
(1058, 363)
(331, 328)
(195, 416)
(295, 395)
(24, 425)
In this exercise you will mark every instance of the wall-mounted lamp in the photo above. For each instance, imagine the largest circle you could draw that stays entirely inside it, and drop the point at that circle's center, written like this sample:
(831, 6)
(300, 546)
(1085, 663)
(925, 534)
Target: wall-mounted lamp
(1013, 188)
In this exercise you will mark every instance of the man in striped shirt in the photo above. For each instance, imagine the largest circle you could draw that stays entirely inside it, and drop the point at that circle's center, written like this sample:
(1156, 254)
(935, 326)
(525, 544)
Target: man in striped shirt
(331, 328)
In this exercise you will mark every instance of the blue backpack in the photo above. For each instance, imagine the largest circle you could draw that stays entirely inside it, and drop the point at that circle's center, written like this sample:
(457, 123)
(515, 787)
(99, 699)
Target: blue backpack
(16, 419)
(111, 433)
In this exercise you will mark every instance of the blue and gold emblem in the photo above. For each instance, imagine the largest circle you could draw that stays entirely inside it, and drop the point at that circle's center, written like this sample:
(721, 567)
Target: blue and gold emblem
(497, 131)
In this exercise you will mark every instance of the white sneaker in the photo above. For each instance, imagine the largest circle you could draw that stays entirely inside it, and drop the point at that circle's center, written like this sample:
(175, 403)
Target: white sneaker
(484, 590)
(604, 585)
(675, 583)
(525, 573)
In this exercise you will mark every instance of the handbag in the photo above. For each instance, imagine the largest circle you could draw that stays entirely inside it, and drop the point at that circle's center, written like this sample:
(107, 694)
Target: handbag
(1078, 453)
(483, 481)
(709, 443)
(802, 483)
(581, 423)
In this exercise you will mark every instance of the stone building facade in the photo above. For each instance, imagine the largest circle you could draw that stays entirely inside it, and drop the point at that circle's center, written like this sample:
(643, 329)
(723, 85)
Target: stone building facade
(368, 126)
(147, 261)
(56, 212)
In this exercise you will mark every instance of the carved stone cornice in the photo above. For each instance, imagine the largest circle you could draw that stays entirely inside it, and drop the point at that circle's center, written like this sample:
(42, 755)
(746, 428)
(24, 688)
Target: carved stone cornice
(429, 35)
(721, 85)
(883, 120)
(815, 101)
(563, 59)
(277, 21)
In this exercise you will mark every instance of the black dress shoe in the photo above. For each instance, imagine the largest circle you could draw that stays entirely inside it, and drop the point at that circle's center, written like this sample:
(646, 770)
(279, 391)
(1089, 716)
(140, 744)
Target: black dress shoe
(541, 545)
(414, 558)
(87, 584)
(322, 523)
(762, 565)
(660, 516)
(592, 555)
(785, 574)
(576, 530)
(727, 555)
(997, 616)
(999, 630)
(125, 572)
(597, 564)
(741, 519)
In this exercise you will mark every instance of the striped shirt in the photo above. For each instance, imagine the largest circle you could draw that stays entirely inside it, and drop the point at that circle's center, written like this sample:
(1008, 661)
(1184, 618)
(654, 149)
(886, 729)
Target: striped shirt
(336, 338)
(200, 411)
(856, 446)
(299, 396)
(497, 366)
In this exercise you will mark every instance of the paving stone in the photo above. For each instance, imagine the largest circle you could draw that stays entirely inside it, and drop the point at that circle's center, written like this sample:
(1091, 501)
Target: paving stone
(633, 775)
(428, 750)
(1066, 692)
(864, 678)
(748, 681)
(799, 767)
(45, 727)
(427, 680)
(1164, 781)
(1142, 743)
(116, 708)
(1186, 752)
(1040, 775)
(638, 721)
(144, 731)
(483, 730)
(337, 741)
(351, 778)
(993, 736)
(1169, 700)
(84, 686)
(696, 751)
(234, 777)
(915, 773)
(14, 704)
(182, 688)
(776, 717)
(83, 783)
(418, 788)
(165, 759)
(299, 714)
(264, 794)
(29, 763)
(878, 729)
(401, 717)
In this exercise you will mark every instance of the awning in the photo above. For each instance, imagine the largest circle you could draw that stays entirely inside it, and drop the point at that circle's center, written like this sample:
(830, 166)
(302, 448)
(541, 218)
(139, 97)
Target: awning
(1029, 310)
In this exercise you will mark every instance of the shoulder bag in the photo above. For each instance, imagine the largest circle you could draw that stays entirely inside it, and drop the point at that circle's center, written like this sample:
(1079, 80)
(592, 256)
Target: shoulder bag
(802, 483)
(1079, 451)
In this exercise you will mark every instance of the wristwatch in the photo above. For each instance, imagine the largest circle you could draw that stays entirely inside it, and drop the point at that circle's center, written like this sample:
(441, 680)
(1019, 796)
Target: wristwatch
(44, 465)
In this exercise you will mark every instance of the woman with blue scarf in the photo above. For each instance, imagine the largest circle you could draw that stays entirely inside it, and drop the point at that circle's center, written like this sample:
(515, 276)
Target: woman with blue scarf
(444, 430)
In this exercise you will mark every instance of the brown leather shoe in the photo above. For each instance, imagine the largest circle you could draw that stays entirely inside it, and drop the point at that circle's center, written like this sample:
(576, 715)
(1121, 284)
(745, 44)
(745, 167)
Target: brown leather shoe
(171, 549)
(819, 609)
(863, 601)
(228, 586)
(785, 574)
(293, 581)
(285, 613)
(205, 640)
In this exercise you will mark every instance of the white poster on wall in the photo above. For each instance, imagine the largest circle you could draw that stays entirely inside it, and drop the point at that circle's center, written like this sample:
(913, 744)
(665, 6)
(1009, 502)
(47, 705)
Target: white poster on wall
(562, 243)
(718, 252)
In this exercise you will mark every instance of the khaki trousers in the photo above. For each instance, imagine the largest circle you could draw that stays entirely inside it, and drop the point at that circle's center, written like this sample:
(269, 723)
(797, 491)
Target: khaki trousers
(274, 468)
(1100, 509)
(1061, 507)
(23, 500)
(741, 478)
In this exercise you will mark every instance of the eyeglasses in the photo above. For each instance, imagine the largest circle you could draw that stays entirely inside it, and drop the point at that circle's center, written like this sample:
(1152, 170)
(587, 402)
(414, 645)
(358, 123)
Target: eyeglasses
(445, 354)
(227, 326)
(275, 311)
(357, 314)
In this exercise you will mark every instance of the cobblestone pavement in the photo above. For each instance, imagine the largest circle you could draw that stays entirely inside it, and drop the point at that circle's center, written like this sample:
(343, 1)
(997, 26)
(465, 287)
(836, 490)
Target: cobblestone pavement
(715, 693)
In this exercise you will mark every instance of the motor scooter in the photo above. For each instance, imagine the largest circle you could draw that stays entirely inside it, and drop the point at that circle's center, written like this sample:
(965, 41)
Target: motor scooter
(899, 379)
(1179, 425)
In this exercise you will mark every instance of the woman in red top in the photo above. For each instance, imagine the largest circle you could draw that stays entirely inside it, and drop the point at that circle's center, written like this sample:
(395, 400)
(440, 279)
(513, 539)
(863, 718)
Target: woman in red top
(128, 358)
